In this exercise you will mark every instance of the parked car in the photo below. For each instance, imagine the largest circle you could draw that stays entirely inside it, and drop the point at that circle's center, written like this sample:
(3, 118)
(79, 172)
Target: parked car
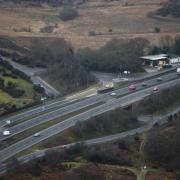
(132, 87)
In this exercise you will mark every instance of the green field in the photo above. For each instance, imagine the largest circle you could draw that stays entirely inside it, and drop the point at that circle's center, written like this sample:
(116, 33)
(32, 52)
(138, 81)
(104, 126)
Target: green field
(20, 102)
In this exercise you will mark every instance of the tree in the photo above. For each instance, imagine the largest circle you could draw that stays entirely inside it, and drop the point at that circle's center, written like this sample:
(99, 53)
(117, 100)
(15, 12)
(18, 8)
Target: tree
(68, 13)
(115, 54)
(1, 83)
(162, 148)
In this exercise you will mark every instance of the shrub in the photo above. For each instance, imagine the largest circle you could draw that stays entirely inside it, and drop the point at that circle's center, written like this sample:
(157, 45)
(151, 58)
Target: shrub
(38, 89)
(92, 33)
(157, 30)
(47, 29)
(170, 118)
(105, 158)
(68, 13)
(162, 148)
(175, 116)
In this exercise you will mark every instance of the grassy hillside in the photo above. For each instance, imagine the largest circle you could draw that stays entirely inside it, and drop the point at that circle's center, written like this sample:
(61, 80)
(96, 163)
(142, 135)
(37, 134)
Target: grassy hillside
(15, 91)
(113, 19)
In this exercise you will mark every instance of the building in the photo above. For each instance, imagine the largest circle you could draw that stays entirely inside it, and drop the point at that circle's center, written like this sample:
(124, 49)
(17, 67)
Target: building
(155, 60)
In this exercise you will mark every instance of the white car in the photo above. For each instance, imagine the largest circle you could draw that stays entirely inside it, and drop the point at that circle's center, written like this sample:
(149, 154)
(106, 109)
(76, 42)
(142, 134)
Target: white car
(6, 133)
(36, 135)
(113, 94)
(155, 89)
(8, 122)
(159, 79)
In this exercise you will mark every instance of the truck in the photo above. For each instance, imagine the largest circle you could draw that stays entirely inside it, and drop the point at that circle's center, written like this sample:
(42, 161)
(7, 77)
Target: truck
(105, 90)
(178, 71)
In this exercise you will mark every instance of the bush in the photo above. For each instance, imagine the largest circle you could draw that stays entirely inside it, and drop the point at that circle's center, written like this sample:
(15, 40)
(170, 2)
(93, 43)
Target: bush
(15, 92)
(92, 33)
(162, 148)
(105, 158)
(39, 89)
(68, 13)
(170, 8)
(170, 118)
(160, 101)
(47, 29)
(157, 30)
(111, 122)
(116, 55)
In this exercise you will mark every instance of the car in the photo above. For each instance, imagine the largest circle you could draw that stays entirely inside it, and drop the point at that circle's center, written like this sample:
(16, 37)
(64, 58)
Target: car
(178, 71)
(6, 133)
(159, 79)
(113, 94)
(64, 146)
(144, 84)
(36, 134)
(8, 122)
(43, 108)
(155, 88)
(132, 87)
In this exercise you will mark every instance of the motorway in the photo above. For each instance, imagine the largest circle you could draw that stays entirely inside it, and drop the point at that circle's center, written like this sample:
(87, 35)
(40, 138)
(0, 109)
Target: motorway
(53, 130)
(58, 103)
(79, 105)
(160, 120)
(104, 139)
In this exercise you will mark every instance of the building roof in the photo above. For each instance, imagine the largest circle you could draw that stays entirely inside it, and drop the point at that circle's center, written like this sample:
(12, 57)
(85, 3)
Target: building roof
(155, 57)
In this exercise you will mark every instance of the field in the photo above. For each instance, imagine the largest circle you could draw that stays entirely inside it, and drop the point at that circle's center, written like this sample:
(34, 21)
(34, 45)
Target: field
(107, 20)
(7, 99)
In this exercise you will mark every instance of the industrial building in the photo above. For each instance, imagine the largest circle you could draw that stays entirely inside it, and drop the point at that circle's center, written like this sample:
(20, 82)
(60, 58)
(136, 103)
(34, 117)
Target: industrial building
(155, 60)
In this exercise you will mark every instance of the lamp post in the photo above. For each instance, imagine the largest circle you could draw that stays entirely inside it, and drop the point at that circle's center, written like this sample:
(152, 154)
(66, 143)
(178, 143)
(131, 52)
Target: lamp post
(43, 99)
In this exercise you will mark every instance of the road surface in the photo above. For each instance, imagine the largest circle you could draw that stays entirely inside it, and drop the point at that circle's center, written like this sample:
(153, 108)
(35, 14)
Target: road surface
(58, 103)
(31, 72)
(77, 106)
(53, 130)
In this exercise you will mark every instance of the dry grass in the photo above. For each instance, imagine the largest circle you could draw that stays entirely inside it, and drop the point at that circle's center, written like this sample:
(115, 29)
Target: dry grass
(162, 175)
(125, 22)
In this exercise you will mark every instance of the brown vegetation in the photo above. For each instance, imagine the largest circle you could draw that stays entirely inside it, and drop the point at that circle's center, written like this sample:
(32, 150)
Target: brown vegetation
(113, 19)
(87, 171)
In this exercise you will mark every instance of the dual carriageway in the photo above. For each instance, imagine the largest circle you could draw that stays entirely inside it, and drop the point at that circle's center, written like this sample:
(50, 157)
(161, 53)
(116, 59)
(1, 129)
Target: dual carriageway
(57, 109)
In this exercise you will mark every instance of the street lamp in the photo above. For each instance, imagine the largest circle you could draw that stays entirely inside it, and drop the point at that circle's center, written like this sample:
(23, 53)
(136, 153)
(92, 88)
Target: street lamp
(43, 99)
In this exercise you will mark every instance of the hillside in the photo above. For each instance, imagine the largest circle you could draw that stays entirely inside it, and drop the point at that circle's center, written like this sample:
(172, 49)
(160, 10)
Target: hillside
(171, 8)
(113, 19)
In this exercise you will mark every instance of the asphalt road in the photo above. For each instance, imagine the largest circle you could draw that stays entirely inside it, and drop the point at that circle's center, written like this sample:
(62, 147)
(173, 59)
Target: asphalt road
(77, 106)
(58, 103)
(53, 130)
(31, 72)
(104, 139)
